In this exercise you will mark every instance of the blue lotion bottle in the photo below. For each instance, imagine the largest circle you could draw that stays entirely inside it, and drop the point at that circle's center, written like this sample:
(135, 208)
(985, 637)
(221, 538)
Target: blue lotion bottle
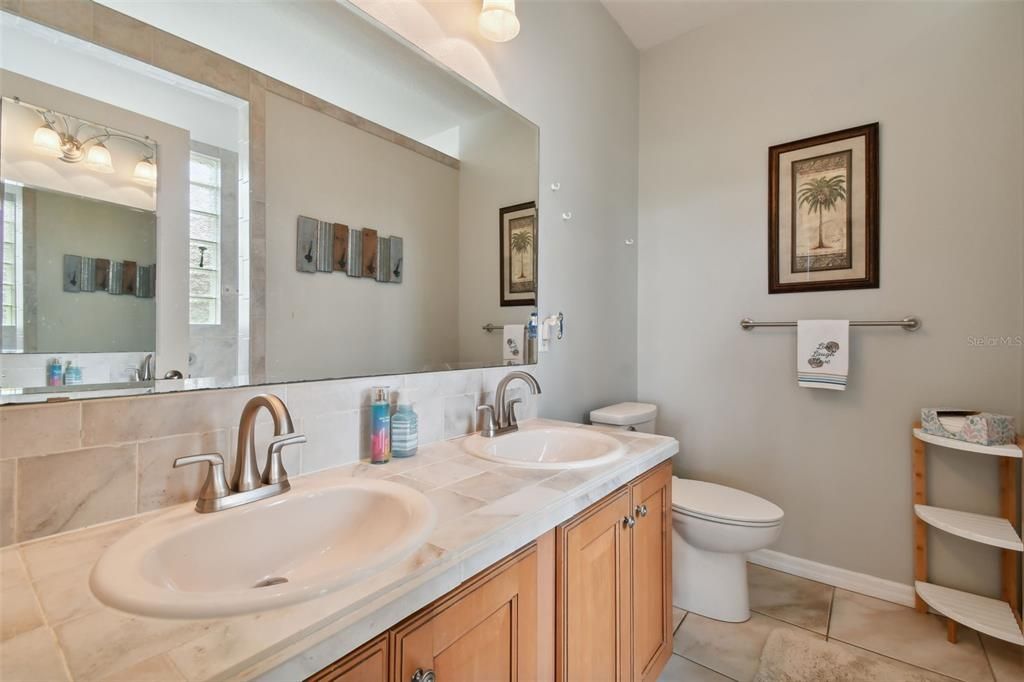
(405, 436)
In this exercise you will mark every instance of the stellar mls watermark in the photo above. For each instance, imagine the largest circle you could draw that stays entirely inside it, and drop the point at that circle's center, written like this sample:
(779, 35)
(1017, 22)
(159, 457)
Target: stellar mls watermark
(995, 341)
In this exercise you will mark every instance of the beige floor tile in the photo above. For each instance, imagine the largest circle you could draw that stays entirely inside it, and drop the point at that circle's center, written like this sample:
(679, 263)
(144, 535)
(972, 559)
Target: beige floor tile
(732, 649)
(1007, 659)
(904, 634)
(677, 617)
(789, 598)
(678, 669)
(19, 611)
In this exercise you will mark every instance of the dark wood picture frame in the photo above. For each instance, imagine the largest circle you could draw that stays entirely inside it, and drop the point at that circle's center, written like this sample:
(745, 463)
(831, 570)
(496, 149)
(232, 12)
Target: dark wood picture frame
(506, 296)
(868, 185)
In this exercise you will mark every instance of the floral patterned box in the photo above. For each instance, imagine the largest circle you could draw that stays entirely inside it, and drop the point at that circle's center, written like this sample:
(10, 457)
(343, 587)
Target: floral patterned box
(983, 428)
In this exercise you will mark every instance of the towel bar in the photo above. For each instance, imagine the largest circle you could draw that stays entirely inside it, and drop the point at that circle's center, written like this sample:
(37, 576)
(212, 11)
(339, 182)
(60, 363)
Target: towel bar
(909, 323)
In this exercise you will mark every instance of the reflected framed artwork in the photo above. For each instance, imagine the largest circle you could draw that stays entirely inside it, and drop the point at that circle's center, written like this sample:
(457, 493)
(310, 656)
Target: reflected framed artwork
(823, 212)
(518, 271)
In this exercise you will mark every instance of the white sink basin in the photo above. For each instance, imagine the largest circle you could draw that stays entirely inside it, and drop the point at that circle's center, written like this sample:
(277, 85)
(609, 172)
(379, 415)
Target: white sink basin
(546, 448)
(302, 544)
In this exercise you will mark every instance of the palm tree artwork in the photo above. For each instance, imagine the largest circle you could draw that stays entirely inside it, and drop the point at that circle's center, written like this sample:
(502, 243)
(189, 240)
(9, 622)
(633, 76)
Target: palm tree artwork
(521, 241)
(821, 195)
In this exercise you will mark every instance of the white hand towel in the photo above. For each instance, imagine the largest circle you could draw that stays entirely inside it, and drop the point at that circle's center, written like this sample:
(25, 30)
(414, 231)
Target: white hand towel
(822, 353)
(512, 344)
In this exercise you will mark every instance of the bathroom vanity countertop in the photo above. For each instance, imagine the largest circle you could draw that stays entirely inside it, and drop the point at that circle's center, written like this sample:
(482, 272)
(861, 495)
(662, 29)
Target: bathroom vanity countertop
(54, 628)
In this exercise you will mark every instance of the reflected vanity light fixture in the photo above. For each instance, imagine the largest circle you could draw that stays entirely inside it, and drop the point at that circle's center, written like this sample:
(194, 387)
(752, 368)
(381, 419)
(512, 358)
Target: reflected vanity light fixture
(58, 137)
(145, 172)
(498, 21)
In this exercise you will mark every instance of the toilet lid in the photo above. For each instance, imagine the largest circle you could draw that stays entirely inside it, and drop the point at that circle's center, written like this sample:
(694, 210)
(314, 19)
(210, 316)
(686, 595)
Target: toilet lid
(722, 502)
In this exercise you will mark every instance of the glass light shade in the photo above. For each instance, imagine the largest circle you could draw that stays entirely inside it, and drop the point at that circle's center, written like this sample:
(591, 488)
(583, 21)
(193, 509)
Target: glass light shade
(145, 173)
(98, 159)
(47, 140)
(498, 21)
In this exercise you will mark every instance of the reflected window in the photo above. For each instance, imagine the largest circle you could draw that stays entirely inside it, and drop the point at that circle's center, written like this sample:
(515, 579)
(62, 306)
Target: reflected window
(204, 239)
(13, 275)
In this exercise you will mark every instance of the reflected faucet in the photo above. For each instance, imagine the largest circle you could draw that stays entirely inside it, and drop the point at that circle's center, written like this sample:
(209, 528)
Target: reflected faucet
(247, 485)
(501, 418)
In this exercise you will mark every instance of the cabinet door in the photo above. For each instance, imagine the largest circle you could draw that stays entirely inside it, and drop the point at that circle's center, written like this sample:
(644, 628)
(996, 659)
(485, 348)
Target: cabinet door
(486, 630)
(368, 663)
(652, 572)
(593, 593)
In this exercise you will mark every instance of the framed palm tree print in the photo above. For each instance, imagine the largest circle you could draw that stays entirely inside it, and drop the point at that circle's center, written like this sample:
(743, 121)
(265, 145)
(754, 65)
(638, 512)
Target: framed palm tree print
(823, 212)
(518, 257)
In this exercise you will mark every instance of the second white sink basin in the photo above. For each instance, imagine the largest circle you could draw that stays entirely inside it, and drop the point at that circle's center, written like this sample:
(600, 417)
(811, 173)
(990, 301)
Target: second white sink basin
(311, 540)
(547, 448)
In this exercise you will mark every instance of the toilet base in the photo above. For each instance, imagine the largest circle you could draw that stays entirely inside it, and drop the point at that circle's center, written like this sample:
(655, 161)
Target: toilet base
(711, 584)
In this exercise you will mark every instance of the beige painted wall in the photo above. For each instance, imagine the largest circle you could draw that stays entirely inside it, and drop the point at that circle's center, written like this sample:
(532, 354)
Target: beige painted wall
(323, 325)
(499, 161)
(90, 322)
(946, 83)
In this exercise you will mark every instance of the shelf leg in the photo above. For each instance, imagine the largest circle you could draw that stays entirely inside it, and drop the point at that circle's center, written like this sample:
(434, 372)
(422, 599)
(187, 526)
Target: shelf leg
(951, 630)
(1008, 509)
(920, 529)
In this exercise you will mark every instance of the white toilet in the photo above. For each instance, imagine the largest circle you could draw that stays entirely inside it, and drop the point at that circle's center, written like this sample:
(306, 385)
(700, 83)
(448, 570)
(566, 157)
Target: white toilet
(713, 529)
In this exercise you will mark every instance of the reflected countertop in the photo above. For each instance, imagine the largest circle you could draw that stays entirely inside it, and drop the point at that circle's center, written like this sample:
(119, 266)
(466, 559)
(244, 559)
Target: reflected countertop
(53, 627)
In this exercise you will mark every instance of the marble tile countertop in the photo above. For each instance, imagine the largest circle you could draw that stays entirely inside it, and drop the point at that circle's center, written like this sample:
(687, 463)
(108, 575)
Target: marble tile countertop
(53, 628)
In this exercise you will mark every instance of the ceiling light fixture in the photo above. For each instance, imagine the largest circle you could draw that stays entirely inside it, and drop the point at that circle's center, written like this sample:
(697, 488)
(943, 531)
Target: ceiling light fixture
(498, 21)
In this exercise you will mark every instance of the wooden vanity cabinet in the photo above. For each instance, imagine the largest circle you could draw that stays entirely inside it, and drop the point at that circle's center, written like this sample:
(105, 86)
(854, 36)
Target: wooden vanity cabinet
(588, 601)
(614, 585)
(488, 629)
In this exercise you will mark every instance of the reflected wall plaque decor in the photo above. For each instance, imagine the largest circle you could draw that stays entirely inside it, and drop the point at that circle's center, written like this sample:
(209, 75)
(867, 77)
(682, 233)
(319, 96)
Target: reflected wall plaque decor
(823, 212)
(518, 256)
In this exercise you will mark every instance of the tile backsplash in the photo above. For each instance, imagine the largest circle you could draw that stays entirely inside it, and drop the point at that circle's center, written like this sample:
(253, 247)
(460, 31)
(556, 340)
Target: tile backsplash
(73, 464)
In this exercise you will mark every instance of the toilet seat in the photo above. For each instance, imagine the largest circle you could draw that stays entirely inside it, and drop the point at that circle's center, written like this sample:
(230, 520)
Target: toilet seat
(722, 504)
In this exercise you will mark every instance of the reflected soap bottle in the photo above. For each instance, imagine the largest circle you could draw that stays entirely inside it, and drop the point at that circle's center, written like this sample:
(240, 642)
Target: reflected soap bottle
(380, 426)
(404, 427)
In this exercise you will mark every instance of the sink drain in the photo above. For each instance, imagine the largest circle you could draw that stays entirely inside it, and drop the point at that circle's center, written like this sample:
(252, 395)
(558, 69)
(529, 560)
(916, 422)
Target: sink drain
(267, 582)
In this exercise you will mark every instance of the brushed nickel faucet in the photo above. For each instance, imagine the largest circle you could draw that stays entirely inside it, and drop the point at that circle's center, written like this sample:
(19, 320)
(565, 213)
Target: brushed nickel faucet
(501, 417)
(247, 485)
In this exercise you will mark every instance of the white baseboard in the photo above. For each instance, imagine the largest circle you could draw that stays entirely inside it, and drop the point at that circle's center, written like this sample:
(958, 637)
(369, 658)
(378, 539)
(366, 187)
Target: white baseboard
(862, 583)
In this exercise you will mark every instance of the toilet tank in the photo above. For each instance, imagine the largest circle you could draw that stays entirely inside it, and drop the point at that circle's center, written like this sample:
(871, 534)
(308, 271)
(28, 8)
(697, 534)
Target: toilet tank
(627, 416)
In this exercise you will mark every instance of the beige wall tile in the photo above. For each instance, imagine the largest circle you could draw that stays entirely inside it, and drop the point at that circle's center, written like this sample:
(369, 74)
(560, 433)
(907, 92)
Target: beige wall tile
(333, 440)
(7, 498)
(11, 5)
(75, 489)
(131, 419)
(460, 416)
(160, 484)
(187, 59)
(69, 16)
(123, 33)
(32, 657)
(30, 430)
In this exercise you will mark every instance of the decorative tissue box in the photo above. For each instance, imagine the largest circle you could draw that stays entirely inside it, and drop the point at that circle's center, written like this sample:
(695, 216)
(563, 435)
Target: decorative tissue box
(983, 428)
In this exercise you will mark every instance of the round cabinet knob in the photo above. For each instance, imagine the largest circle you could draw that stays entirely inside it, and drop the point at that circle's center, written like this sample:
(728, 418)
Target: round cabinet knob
(423, 676)
(629, 522)
(641, 510)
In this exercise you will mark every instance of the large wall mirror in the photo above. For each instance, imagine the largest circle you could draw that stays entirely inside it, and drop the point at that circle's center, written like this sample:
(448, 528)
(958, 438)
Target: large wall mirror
(164, 232)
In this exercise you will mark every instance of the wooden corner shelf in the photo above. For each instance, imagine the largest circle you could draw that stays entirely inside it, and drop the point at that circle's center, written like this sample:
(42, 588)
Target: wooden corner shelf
(998, 618)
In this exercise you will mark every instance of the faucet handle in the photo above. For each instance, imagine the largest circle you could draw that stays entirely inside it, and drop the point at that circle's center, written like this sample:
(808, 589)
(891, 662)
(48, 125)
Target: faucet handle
(216, 485)
(510, 410)
(274, 471)
(490, 426)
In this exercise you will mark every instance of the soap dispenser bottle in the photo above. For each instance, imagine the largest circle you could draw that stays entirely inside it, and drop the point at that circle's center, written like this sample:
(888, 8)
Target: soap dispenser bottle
(404, 427)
